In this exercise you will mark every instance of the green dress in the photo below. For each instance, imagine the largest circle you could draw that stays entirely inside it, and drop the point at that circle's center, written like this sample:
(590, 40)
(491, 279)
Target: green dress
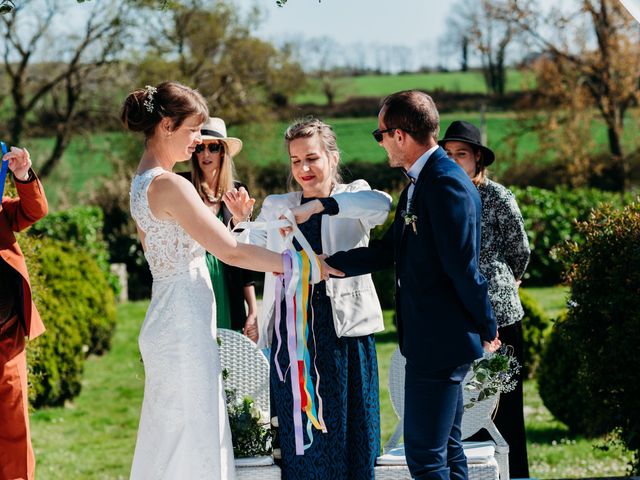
(220, 289)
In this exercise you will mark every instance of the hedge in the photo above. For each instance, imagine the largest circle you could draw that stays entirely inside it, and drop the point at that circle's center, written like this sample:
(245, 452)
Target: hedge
(549, 217)
(602, 330)
(561, 384)
(536, 326)
(77, 306)
(81, 226)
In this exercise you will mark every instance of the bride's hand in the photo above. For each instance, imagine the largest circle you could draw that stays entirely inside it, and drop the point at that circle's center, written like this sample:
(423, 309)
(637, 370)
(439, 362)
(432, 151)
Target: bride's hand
(239, 203)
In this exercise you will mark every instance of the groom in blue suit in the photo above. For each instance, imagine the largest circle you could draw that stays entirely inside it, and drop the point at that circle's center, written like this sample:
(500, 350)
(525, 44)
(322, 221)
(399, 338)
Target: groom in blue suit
(443, 312)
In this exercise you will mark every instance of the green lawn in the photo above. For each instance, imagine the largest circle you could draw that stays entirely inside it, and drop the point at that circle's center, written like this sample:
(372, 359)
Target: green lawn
(555, 453)
(553, 300)
(381, 85)
(93, 437)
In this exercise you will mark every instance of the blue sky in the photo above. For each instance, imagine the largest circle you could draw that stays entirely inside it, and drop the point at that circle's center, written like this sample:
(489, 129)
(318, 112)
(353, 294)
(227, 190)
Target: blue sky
(387, 24)
(402, 22)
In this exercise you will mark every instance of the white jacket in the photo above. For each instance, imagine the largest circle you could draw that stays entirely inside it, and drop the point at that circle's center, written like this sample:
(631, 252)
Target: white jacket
(355, 304)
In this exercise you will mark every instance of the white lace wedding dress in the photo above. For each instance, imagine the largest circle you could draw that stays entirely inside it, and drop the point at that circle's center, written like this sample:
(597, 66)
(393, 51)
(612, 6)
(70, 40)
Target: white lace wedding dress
(184, 429)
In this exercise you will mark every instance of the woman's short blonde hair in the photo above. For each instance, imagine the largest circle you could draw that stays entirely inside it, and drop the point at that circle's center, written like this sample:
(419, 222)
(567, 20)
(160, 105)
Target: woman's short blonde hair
(307, 127)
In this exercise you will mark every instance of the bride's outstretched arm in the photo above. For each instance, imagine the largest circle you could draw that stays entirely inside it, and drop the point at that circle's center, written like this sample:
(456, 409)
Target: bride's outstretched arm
(173, 197)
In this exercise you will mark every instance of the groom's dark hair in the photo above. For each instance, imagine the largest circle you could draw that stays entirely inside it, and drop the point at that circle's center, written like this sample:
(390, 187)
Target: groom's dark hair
(414, 112)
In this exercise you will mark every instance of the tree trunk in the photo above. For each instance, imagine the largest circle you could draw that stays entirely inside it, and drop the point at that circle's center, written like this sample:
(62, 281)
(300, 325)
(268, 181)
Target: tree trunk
(20, 113)
(465, 54)
(17, 125)
(620, 169)
(62, 141)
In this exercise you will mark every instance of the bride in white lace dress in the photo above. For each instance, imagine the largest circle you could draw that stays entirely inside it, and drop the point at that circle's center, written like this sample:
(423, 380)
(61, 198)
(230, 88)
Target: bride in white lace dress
(184, 429)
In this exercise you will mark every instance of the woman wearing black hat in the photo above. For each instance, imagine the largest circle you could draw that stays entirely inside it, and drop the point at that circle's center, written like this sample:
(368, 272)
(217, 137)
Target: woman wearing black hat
(504, 254)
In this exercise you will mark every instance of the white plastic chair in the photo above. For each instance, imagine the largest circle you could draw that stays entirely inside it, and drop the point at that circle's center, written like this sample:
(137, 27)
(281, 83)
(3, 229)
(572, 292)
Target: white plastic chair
(248, 375)
(486, 460)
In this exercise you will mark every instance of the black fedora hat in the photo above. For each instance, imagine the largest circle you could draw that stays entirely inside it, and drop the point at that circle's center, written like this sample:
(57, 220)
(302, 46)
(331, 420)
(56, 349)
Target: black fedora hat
(461, 131)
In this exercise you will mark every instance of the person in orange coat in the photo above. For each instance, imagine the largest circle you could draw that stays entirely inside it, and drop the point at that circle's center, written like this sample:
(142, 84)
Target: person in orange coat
(18, 318)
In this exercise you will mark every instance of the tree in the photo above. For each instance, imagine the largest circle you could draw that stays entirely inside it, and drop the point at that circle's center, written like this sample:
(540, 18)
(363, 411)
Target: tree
(321, 54)
(594, 51)
(53, 75)
(488, 32)
(208, 45)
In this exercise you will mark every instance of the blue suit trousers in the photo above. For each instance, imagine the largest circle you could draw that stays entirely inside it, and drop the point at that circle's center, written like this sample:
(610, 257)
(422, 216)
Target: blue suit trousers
(432, 423)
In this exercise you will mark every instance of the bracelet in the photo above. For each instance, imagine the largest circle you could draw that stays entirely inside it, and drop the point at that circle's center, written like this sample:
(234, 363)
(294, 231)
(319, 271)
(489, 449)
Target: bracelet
(236, 221)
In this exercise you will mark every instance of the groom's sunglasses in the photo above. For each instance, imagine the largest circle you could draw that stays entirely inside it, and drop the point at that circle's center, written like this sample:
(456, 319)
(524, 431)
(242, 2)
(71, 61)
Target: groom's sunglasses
(213, 147)
(377, 134)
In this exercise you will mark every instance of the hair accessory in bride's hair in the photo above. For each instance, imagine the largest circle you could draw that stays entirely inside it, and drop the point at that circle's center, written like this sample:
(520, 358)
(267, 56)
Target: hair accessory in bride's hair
(148, 103)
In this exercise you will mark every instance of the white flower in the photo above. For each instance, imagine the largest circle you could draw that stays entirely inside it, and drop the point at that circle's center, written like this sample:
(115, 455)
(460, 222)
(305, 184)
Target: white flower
(148, 103)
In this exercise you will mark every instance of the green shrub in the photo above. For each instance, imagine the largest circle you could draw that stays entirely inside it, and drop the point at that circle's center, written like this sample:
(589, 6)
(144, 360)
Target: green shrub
(78, 309)
(549, 217)
(604, 319)
(560, 381)
(535, 329)
(82, 227)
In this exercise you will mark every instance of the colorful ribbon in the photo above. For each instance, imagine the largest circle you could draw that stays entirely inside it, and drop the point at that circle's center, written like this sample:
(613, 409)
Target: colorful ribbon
(301, 271)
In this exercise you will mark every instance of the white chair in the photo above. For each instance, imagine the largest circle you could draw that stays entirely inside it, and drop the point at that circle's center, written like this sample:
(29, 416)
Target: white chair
(486, 460)
(248, 375)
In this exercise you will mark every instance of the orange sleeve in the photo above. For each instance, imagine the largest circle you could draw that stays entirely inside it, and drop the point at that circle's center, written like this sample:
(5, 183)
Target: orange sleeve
(30, 206)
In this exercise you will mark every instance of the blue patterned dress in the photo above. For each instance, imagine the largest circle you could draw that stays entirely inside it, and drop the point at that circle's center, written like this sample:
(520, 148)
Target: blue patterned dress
(348, 369)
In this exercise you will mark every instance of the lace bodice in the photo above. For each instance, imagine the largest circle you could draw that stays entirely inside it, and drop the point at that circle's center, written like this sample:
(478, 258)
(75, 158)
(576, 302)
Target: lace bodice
(169, 250)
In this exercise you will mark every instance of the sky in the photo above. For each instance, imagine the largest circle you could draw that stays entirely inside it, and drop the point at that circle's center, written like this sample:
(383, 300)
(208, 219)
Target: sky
(402, 22)
(417, 25)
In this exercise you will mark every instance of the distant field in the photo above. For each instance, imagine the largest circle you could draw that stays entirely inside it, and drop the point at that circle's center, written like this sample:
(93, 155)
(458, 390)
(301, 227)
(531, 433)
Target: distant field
(381, 85)
(92, 157)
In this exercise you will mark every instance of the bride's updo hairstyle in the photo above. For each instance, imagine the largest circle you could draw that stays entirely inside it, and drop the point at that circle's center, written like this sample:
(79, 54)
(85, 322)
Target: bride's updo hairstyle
(145, 107)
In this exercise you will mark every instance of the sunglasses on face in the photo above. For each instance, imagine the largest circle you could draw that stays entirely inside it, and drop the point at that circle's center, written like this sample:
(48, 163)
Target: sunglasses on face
(213, 147)
(377, 134)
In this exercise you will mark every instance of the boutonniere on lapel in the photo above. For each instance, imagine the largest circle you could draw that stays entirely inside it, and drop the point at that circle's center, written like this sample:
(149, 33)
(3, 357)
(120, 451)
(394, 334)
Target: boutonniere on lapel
(410, 218)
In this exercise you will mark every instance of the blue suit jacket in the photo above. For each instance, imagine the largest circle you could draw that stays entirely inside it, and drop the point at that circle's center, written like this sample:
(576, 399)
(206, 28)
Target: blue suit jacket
(443, 309)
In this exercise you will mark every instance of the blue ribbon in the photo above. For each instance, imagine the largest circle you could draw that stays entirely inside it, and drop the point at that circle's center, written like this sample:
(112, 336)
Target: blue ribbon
(3, 169)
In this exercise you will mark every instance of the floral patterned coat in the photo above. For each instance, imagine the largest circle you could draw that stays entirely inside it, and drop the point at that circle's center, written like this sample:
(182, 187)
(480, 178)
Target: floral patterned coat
(504, 250)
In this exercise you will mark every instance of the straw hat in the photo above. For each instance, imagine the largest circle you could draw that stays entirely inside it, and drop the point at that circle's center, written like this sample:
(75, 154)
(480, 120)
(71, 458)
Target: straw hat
(215, 129)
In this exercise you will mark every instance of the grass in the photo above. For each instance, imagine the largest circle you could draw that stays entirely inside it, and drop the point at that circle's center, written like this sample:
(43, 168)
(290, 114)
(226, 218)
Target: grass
(381, 85)
(555, 453)
(93, 437)
(553, 300)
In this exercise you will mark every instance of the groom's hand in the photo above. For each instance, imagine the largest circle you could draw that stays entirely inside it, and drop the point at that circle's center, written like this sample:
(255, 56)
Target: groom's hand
(327, 270)
(491, 346)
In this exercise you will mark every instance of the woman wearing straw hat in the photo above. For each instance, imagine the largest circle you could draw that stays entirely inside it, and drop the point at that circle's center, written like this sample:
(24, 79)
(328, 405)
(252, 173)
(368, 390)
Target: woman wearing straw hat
(504, 254)
(212, 173)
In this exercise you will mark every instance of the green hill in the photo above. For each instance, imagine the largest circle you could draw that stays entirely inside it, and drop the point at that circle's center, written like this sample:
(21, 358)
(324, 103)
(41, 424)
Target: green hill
(381, 85)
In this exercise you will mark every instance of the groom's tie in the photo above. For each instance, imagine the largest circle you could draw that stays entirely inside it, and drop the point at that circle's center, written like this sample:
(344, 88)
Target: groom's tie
(412, 186)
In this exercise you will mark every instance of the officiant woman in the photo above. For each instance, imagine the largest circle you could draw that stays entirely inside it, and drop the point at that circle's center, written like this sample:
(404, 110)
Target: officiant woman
(344, 313)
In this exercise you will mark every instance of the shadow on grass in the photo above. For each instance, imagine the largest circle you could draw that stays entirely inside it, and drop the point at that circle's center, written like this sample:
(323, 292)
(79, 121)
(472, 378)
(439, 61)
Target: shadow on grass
(548, 434)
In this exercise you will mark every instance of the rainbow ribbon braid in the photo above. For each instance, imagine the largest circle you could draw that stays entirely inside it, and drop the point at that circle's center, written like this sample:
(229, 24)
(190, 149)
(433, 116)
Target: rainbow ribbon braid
(295, 286)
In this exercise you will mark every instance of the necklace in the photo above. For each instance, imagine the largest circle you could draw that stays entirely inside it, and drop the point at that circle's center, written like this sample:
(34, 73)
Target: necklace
(214, 199)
